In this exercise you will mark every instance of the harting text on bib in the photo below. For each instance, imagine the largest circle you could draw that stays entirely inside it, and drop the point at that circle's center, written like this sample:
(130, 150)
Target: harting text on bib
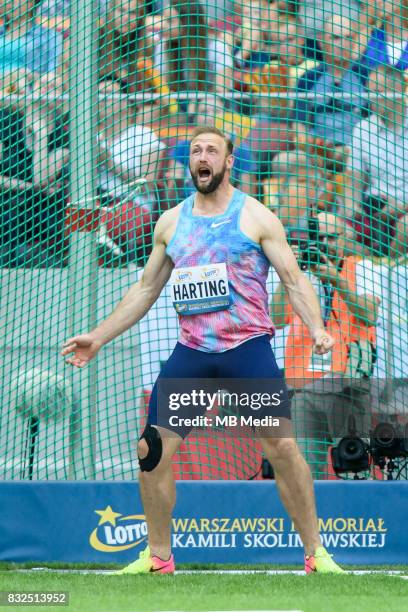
(200, 289)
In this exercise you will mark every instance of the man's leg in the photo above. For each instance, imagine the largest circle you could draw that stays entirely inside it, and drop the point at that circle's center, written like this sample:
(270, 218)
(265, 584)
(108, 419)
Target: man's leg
(158, 491)
(295, 485)
(159, 442)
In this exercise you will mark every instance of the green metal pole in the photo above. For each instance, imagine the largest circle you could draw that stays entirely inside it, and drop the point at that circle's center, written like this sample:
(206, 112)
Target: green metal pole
(83, 259)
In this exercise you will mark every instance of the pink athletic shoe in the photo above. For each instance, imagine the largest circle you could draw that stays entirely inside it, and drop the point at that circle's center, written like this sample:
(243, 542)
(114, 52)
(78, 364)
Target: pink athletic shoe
(146, 564)
(322, 563)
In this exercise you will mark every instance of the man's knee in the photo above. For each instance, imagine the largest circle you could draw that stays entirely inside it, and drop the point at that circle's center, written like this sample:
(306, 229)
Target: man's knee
(149, 449)
(142, 449)
(281, 448)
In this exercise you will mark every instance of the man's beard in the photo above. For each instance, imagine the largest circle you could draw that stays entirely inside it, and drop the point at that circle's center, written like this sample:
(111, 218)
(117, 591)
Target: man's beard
(210, 187)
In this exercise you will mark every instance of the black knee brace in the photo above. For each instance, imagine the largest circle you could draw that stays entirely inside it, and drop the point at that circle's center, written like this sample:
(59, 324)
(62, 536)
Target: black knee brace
(155, 446)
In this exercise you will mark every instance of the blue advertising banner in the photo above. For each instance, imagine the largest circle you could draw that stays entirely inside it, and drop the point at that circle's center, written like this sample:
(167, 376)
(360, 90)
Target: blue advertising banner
(214, 522)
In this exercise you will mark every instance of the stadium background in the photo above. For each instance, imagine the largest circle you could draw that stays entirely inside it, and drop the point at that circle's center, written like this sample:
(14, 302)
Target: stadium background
(96, 96)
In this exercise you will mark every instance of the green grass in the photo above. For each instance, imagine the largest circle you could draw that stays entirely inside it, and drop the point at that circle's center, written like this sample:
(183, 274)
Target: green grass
(12, 565)
(101, 593)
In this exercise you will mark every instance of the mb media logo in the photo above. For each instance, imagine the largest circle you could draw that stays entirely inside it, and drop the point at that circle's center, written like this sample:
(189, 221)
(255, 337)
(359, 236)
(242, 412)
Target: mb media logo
(110, 537)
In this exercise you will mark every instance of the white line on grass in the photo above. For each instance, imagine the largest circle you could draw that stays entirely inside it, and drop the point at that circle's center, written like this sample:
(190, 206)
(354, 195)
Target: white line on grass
(276, 572)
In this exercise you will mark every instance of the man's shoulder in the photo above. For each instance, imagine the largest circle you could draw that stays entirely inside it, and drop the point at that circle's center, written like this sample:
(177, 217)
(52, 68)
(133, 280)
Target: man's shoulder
(259, 212)
(252, 203)
(166, 222)
(169, 215)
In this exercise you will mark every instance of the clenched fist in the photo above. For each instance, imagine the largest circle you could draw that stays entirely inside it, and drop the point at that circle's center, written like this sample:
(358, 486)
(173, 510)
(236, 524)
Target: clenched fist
(322, 342)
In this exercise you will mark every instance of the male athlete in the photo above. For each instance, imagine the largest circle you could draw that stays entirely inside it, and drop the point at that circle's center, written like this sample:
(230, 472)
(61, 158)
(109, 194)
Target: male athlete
(228, 338)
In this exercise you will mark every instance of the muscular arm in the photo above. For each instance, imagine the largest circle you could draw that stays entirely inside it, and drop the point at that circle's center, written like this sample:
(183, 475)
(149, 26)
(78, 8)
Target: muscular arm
(142, 295)
(279, 304)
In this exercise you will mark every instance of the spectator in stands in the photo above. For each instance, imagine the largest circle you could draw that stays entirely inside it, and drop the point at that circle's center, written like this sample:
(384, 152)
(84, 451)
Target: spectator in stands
(299, 186)
(328, 391)
(121, 37)
(187, 53)
(376, 191)
(186, 50)
(388, 43)
(32, 184)
(126, 49)
(258, 17)
(325, 118)
(276, 58)
(209, 112)
(362, 13)
(292, 49)
(128, 151)
(24, 43)
(298, 182)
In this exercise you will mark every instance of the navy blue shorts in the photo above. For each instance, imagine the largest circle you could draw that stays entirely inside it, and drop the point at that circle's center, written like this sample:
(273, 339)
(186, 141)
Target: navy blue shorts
(253, 359)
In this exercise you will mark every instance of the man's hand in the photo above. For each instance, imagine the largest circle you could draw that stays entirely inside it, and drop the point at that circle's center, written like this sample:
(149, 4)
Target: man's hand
(322, 342)
(84, 348)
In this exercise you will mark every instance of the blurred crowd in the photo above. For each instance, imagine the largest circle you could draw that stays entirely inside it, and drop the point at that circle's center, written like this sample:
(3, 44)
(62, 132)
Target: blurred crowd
(311, 92)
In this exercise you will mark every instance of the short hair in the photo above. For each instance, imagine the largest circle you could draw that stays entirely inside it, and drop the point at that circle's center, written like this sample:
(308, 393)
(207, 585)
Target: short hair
(198, 131)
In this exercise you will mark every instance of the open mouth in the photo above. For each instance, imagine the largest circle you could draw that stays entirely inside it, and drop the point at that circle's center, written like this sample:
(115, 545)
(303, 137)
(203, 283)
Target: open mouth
(204, 173)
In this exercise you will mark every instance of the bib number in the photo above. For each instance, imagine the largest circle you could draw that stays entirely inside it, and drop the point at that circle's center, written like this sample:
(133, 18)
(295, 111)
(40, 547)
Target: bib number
(200, 289)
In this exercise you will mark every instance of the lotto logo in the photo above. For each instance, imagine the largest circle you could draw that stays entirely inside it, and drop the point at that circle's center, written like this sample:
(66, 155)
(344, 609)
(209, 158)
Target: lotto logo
(210, 273)
(182, 277)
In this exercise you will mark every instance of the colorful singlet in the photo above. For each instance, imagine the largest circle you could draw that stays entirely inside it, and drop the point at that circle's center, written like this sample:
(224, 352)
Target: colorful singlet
(219, 279)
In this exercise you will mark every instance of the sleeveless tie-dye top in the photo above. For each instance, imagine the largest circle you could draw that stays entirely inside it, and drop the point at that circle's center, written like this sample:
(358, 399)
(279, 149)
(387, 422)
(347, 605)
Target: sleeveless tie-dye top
(226, 304)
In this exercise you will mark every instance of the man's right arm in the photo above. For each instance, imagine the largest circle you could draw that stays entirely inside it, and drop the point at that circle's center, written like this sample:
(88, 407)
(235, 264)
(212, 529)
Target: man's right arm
(141, 296)
(133, 307)
(279, 306)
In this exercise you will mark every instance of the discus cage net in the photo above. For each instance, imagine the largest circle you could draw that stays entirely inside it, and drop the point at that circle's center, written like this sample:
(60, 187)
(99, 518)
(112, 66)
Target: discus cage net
(98, 102)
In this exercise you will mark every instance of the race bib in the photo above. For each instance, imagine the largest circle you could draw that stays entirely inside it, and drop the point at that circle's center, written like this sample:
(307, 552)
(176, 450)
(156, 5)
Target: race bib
(200, 289)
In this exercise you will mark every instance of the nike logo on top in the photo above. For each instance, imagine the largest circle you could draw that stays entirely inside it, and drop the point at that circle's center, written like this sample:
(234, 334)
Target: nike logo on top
(213, 224)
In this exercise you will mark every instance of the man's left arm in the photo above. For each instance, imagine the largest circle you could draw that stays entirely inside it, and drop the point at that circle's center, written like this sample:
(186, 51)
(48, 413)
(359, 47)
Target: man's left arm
(301, 294)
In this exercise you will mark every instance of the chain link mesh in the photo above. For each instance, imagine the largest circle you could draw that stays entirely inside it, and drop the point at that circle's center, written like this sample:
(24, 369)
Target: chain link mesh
(97, 103)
